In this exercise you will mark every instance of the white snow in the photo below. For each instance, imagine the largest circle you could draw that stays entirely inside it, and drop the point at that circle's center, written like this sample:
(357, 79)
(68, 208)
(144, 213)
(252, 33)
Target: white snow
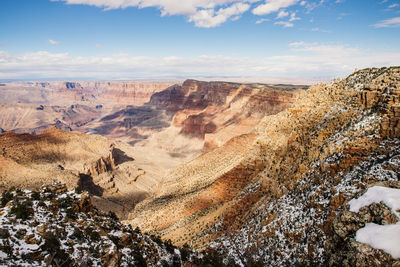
(376, 194)
(385, 237)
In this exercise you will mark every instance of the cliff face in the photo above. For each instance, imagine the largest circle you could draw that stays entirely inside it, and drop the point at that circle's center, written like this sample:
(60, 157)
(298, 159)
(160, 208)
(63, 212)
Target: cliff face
(136, 93)
(275, 195)
(31, 107)
(218, 111)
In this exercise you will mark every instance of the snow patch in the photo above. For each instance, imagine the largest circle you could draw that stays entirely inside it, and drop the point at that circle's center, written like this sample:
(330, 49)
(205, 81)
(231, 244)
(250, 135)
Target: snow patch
(376, 194)
(385, 237)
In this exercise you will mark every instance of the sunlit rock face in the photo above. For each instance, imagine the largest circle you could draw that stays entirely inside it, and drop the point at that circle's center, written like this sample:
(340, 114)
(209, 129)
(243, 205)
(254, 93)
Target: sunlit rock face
(278, 194)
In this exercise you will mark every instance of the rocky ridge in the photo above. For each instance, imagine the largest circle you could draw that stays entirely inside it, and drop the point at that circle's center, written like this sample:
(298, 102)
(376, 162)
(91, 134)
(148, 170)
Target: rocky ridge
(55, 227)
(278, 201)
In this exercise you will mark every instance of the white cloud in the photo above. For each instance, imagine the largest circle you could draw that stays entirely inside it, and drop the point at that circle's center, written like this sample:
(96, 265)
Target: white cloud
(302, 59)
(313, 5)
(342, 15)
(204, 13)
(388, 23)
(293, 17)
(208, 18)
(285, 24)
(52, 42)
(282, 14)
(261, 21)
(271, 6)
(324, 49)
(394, 5)
(316, 29)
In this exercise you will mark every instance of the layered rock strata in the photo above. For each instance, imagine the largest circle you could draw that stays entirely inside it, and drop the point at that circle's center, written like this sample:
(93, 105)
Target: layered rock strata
(275, 197)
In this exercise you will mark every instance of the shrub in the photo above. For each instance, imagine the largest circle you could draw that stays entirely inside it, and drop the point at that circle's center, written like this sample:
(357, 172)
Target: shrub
(77, 234)
(71, 214)
(213, 259)
(52, 245)
(22, 210)
(35, 195)
(113, 216)
(5, 198)
(4, 233)
(92, 234)
(78, 190)
(169, 247)
(185, 252)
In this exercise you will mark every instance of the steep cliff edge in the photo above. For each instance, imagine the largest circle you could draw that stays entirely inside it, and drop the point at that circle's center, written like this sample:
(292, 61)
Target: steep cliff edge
(276, 197)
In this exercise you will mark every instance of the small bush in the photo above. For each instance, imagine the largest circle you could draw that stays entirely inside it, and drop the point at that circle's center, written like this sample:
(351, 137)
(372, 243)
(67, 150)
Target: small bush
(4, 233)
(21, 210)
(6, 197)
(7, 248)
(78, 190)
(52, 245)
(71, 214)
(92, 234)
(51, 242)
(185, 252)
(35, 195)
(78, 234)
(113, 216)
(213, 259)
(169, 247)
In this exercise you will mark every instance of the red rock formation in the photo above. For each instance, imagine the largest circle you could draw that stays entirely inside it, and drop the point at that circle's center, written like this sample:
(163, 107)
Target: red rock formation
(203, 108)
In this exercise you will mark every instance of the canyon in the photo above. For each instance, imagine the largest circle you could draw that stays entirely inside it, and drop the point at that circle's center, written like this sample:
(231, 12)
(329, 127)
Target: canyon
(154, 127)
(256, 174)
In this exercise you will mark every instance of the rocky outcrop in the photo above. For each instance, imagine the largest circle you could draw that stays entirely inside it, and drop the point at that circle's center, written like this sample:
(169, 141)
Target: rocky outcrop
(103, 164)
(383, 94)
(198, 126)
(75, 233)
(345, 250)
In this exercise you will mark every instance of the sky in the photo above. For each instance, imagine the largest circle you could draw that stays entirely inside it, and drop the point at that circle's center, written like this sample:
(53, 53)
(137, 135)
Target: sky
(248, 40)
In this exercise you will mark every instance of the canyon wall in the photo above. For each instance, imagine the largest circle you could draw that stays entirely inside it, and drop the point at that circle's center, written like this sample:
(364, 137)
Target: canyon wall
(54, 93)
(278, 195)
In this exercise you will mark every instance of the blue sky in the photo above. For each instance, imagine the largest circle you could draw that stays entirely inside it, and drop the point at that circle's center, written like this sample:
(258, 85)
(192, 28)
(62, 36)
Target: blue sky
(265, 40)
